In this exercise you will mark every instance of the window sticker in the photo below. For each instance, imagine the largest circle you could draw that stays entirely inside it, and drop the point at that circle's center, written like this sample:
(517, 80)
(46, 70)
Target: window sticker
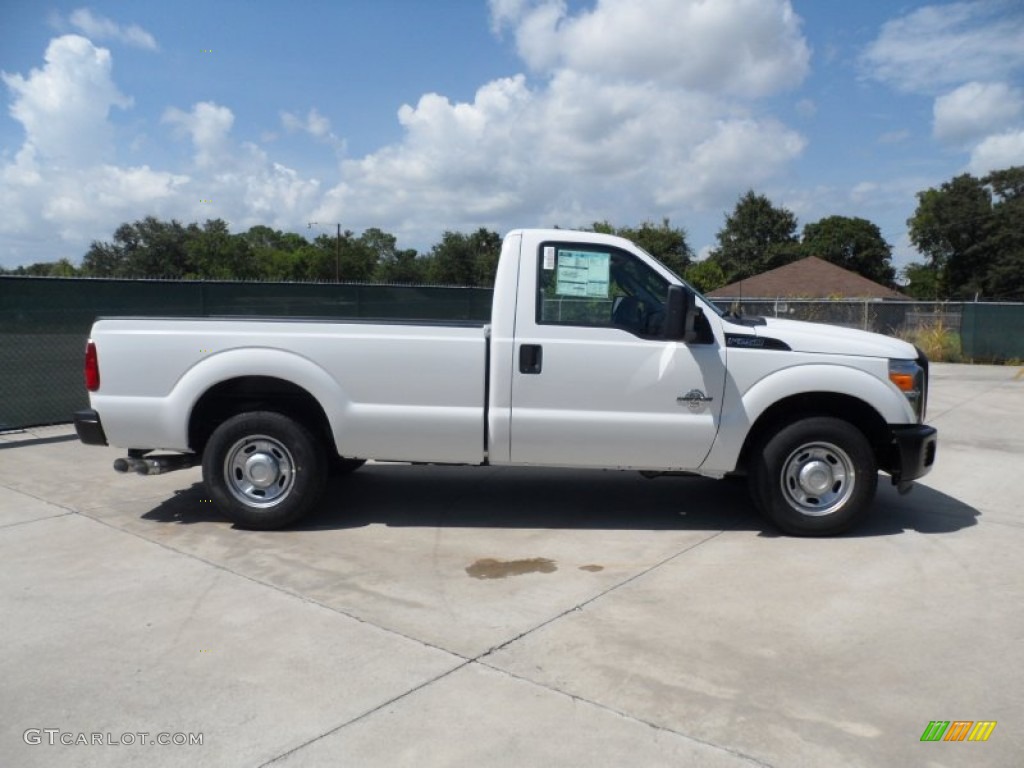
(549, 257)
(583, 273)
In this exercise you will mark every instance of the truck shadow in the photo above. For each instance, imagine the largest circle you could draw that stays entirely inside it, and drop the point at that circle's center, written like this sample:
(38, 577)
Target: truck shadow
(505, 497)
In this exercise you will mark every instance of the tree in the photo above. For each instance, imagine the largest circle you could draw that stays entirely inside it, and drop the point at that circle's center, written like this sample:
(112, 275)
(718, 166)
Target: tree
(393, 265)
(461, 259)
(705, 275)
(59, 268)
(922, 281)
(663, 241)
(275, 253)
(851, 243)
(146, 248)
(1004, 279)
(215, 254)
(756, 237)
(952, 227)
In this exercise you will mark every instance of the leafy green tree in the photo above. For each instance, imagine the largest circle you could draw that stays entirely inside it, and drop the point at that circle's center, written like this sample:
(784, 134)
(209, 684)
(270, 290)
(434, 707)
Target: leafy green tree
(705, 275)
(952, 227)
(922, 281)
(215, 254)
(406, 266)
(663, 241)
(756, 237)
(358, 259)
(461, 259)
(393, 265)
(145, 248)
(275, 253)
(851, 243)
(1004, 279)
(59, 268)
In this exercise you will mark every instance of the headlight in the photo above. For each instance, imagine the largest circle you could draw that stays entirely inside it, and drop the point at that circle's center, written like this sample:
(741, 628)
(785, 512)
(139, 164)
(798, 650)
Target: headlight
(909, 378)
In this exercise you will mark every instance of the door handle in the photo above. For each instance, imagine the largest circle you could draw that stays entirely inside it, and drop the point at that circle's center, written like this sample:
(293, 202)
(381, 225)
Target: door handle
(531, 357)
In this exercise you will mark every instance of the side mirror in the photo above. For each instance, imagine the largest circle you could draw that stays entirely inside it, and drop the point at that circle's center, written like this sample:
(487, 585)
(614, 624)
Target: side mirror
(680, 315)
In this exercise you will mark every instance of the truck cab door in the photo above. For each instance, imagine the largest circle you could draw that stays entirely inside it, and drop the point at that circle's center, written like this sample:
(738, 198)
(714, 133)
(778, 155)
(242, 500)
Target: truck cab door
(594, 383)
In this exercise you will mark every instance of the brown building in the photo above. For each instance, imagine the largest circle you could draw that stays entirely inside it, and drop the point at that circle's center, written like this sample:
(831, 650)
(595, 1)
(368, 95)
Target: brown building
(810, 278)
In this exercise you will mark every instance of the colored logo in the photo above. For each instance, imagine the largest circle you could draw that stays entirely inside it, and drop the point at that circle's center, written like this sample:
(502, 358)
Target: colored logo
(958, 730)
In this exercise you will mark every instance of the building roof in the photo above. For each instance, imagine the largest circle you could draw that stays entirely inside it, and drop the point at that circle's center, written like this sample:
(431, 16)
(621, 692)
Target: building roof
(810, 278)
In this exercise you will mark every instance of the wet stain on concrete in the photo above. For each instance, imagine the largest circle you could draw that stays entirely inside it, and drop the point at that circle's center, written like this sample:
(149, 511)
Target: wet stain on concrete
(488, 568)
(592, 568)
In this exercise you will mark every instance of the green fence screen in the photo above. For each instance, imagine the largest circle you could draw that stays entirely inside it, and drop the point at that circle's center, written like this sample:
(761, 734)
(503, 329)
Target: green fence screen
(44, 323)
(993, 332)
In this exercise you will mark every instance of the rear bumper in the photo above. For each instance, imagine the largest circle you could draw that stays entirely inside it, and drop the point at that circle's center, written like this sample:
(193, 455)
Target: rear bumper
(89, 427)
(914, 451)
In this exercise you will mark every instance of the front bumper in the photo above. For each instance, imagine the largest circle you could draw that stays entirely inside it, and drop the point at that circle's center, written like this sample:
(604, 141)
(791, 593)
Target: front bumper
(914, 448)
(89, 427)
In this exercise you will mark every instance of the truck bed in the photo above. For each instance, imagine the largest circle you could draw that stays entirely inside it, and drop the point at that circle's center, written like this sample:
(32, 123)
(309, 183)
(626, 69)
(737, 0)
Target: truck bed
(401, 390)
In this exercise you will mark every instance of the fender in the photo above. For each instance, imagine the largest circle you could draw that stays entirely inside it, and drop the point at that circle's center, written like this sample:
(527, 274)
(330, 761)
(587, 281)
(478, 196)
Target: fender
(741, 410)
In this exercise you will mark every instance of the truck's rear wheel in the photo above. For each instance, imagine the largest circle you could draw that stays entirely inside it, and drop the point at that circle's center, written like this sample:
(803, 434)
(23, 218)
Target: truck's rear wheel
(816, 477)
(264, 470)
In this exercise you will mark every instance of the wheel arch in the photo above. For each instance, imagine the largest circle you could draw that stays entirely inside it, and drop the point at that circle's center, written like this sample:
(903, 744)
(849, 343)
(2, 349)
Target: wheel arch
(255, 393)
(805, 405)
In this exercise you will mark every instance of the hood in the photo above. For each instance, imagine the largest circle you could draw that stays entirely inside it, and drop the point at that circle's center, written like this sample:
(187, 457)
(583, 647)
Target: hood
(833, 339)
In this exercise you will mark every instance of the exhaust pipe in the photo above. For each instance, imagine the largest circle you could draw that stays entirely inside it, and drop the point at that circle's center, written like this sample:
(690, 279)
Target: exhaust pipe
(155, 465)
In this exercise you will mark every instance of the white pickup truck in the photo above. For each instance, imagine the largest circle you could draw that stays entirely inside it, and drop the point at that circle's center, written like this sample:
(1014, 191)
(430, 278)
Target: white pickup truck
(596, 356)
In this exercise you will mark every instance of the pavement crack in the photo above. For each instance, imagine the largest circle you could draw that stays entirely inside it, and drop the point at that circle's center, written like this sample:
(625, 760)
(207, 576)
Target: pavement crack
(367, 713)
(628, 716)
(276, 588)
(480, 660)
(35, 520)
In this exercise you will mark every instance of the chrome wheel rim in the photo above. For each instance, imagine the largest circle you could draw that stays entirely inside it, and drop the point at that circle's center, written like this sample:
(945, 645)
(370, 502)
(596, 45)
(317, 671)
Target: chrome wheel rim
(259, 471)
(817, 479)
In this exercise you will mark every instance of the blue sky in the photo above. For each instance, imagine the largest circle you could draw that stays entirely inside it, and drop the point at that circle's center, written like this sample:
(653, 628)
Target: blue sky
(420, 117)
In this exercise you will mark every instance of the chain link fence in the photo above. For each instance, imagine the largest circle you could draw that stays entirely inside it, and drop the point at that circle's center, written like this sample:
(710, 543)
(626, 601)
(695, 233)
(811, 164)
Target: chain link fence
(893, 318)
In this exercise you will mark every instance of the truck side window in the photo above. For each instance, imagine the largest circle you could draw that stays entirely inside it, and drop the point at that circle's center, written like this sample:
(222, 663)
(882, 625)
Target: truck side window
(599, 287)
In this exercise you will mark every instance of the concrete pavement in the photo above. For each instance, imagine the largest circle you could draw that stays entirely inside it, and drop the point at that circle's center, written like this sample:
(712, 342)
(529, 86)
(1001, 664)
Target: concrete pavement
(431, 616)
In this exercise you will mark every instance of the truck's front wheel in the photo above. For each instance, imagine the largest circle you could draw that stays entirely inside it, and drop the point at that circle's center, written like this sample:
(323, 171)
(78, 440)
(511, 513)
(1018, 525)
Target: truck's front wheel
(264, 470)
(815, 477)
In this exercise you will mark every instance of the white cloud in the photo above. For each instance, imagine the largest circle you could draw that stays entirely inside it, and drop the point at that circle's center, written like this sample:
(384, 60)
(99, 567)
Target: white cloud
(64, 187)
(997, 152)
(315, 124)
(577, 150)
(64, 106)
(209, 125)
(938, 46)
(639, 113)
(741, 47)
(976, 110)
(102, 28)
(970, 56)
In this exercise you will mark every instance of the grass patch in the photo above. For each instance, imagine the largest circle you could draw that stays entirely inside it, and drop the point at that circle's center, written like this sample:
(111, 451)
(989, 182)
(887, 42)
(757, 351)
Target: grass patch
(940, 342)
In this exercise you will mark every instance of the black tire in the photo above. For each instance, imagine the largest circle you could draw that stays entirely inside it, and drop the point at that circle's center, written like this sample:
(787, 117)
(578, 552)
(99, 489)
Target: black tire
(815, 477)
(264, 470)
(341, 466)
